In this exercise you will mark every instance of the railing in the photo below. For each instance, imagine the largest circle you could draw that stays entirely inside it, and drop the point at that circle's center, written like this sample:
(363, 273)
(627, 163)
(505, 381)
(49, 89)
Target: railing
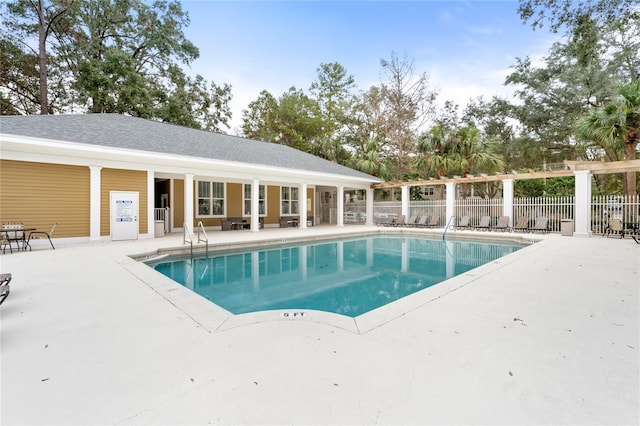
(163, 214)
(187, 236)
(444, 234)
(204, 239)
(626, 208)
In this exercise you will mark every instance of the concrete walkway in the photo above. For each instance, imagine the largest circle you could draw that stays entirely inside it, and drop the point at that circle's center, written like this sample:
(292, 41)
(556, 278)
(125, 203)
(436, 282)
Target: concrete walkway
(547, 335)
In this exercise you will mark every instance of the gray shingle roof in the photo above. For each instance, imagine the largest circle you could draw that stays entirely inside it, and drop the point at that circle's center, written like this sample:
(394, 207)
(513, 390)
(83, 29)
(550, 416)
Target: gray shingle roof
(119, 131)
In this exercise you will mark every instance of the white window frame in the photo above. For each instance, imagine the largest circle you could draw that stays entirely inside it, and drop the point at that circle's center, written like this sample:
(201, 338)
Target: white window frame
(211, 199)
(290, 202)
(248, 200)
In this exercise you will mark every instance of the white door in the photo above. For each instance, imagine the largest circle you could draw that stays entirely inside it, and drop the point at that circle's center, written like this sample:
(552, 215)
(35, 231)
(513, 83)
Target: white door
(124, 215)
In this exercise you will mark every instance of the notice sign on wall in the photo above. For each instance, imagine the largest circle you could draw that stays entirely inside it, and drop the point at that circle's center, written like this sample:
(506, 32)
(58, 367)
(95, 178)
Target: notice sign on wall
(124, 211)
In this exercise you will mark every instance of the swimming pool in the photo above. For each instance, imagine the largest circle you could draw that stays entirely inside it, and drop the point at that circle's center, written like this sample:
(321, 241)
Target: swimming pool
(347, 277)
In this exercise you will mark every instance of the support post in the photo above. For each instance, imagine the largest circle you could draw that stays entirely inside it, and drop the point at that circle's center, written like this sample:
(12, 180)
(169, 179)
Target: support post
(582, 208)
(405, 201)
(507, 200)
(188, 199)
(255, 205)
(450, 208)
(340, 205)
(369, 207)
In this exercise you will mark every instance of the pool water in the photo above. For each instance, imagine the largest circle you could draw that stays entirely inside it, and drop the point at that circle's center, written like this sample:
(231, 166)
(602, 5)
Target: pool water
(347, 277)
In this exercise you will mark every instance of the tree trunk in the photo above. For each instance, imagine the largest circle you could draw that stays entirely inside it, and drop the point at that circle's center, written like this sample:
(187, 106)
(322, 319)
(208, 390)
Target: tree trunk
(42, 61)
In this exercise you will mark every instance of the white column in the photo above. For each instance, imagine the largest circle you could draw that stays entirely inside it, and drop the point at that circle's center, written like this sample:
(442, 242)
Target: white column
(450, 209)
(369, 206)
(151, 198)
(255, 205)
(340, 213)
(188, 200)
(405, 201)
(303, 206)
(507, 200)
(582, 208)
(94, 202)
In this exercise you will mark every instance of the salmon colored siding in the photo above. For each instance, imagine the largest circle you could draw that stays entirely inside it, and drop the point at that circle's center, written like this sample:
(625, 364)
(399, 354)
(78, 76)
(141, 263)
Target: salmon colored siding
(122, 180)
(39, 194)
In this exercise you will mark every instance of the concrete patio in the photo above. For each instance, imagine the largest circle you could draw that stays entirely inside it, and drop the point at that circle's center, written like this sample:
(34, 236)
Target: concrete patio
(547, 335)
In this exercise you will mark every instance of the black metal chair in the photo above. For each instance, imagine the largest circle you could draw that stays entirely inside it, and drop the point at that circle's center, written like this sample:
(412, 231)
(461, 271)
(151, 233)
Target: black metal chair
(36, 235)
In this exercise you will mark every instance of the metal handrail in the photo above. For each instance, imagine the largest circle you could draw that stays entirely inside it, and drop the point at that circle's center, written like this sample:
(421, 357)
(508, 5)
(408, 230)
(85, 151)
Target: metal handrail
(187, 236)
(205, 240)
(447, 227)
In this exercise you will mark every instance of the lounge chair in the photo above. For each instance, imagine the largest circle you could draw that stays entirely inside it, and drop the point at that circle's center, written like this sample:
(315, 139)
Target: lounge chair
(4, 243)
(464, 222)
(37, 235)
(433, 221)
(400, 221)
(485, 223)
(541, 224)
(422, 221)
(390, 221)
(636, 238)
(522, 224)
(412, 220)
(5, 279)
(503, 223)
(4, 293)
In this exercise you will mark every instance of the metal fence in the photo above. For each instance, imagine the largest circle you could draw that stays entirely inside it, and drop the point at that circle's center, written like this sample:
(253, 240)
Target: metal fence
(625, 208)
(556, 209)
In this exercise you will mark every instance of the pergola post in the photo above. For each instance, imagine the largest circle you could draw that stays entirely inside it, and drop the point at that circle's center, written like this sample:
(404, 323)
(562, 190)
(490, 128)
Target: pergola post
(450, 209)
(405, 201)
(507, 200)
(369, 206)
(582, 207)
(340, 205)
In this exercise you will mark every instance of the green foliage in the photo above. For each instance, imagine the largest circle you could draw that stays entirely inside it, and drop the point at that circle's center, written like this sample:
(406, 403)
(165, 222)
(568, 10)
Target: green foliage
(557, 186)
(107, 56)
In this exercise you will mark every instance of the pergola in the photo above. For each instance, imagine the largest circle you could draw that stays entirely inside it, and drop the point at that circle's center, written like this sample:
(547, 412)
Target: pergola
(581, 170)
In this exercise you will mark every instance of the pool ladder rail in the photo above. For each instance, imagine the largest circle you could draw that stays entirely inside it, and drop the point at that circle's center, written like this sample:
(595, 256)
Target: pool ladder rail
(447, 227)
(188, 237)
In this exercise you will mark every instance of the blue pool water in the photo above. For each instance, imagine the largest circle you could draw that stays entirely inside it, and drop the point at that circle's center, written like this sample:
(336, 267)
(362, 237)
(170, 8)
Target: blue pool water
(347, 277)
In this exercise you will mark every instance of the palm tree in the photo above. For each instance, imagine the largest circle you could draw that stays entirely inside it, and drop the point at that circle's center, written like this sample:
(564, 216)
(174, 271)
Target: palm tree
(464, 151)
(371, 160)
(615, 128)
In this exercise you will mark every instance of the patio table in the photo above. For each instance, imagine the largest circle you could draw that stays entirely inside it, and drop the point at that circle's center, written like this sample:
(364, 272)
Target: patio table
(17, 234)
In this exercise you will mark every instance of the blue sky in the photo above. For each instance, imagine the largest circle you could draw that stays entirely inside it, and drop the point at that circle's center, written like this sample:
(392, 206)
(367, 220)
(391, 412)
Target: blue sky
(465, 47)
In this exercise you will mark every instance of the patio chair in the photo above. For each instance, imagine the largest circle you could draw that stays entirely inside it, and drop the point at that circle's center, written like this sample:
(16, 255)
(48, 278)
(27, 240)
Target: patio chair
(4, 293)
(485, 223)
(522, 224)
(433, 221)
(636, 238)
(422, 221)
(412, 220)
(5, 279)
(4, 243)
(615, 226)
(541, 225)
(39, 235)
(389, 221)
(400, 221)
(464, 223)
(284, 222)
(503, 223)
